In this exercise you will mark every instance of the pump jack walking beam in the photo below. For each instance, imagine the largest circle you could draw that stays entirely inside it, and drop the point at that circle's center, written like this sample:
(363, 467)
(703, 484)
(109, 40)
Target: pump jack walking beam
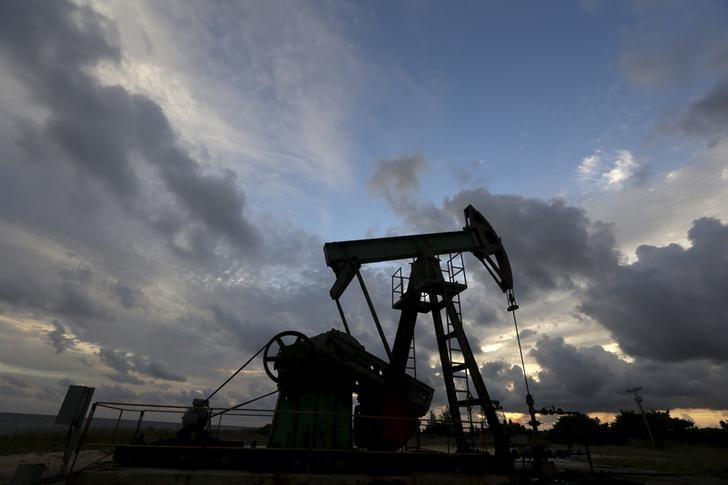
(477, 237)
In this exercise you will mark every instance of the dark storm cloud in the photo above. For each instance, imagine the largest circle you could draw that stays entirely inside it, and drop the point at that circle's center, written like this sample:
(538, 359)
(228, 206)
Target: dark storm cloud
(505, 384)
(13, 381)
(87, 169)
(213, 200)
(397, 181)
(50, 44)
(117, 393)
(57, 337)
(100, 130)
(26, 284)
(666, 310)
(73, 301)
(527, 333)
(550, 244)
(583, 377)
(14, 386)
(481, 312)
(116, 360)
(670, 304)
(709, 115)
(126, 378)
(246, 321)
(128, 297)
(669, 43)
(394, 178)
(230, 320)
(594, 379)
(128, 366)
(157, 369)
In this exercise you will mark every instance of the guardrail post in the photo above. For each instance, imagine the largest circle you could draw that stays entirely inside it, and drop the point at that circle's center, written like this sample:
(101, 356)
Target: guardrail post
(118, 421)
(139, 423)
(82, 438)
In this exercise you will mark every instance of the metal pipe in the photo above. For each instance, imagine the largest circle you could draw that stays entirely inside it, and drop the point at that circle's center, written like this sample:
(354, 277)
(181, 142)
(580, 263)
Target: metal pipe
(343, 318)
(374, 314)
(219, 422)
(235, 373)
(244, 403)
(109, 405)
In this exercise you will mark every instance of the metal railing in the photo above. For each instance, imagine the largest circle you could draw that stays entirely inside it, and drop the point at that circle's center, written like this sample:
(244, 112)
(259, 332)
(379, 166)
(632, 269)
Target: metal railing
(104, 433)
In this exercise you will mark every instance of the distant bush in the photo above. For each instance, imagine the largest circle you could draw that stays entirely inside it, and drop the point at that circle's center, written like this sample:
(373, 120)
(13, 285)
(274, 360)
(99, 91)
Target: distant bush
(514, 429)
(715, 436)
(630, 425)
(439, 425)
(579, 429)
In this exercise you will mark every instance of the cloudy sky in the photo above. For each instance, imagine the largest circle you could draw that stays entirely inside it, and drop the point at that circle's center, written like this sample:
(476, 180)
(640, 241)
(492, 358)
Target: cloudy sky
(169, 172)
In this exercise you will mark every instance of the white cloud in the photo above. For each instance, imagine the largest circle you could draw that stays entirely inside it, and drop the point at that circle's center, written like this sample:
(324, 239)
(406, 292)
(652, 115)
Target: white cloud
(589, 166)
(622, 170)
(253, 88)
(662, 211)
(595, 175)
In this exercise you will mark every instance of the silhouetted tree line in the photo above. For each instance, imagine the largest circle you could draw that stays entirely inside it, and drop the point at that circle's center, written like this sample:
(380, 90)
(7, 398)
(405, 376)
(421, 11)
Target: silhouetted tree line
(630, 425)
(439, 425)
(627, 425)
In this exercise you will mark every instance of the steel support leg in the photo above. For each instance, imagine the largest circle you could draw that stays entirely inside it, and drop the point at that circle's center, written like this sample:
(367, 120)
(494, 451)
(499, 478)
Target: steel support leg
(462, 443)
(374, 315)
(501, 448)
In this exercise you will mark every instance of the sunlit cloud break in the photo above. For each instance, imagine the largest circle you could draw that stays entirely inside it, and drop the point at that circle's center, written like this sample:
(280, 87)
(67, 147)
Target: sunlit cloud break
(596, 173)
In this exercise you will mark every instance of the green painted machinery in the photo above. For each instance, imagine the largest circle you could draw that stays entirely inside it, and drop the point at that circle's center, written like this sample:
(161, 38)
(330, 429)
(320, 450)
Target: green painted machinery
(317, 378)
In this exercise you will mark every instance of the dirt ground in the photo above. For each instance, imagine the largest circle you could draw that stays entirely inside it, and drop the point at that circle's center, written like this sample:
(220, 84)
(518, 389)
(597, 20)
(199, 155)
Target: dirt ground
(640, 475)
(52, 461)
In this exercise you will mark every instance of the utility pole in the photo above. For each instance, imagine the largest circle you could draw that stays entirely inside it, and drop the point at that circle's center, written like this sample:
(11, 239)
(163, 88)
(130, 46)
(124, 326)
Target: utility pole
(638, 399)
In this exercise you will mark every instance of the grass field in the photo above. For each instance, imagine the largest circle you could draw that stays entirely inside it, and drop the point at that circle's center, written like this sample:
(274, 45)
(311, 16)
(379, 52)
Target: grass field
(676, 458)
(32, 442)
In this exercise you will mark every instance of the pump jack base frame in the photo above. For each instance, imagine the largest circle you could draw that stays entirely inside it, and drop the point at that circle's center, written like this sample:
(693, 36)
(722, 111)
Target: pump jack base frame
(288, 460)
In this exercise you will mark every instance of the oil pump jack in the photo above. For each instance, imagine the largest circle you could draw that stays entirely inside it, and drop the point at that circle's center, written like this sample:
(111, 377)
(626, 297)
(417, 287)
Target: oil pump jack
(390, 400)
(318, 376)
